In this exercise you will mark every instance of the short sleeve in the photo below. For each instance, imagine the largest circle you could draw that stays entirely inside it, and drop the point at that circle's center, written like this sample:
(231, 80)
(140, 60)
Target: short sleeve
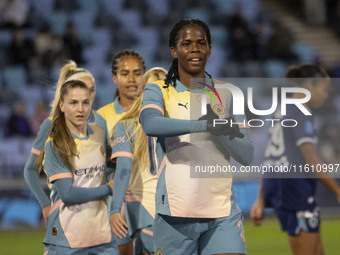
(54, 165)
(121, 146)
(42, 136)
(304, 131)
(153, 98)
(100, 121)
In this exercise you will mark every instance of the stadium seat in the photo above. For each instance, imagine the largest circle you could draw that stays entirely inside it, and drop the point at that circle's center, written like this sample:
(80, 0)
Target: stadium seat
(43, 8)
(15, 78)
(198, 13)
(58, 21)
(275, 68)
(226, 7)
(305, 53)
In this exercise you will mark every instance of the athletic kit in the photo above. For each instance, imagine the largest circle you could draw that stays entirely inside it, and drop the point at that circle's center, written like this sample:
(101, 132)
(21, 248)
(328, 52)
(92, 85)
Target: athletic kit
(191, 208)
(84, 222)
(140, 198)
(292, 198)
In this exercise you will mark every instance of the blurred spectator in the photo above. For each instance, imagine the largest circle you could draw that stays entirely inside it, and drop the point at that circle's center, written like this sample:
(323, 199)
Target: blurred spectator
(18, 124)
(242, 41)
(48, 47)
(262, 35)
(13, 13)
(280, 43)
(72, 45)
(40, 114)
(20, 49)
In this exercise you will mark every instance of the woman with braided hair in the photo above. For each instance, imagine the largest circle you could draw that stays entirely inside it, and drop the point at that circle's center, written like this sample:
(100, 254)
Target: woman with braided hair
(193, 215)
(128, 68)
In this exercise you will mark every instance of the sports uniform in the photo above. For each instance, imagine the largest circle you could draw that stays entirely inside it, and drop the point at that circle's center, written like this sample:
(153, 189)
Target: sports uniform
(78, 219)
(30, 171)
(106, 117)
(292, 198)
(192, 214)
(140, 199)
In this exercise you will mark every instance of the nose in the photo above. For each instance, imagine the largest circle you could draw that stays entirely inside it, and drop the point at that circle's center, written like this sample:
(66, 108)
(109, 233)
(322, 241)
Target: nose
(80, 107)
(194, 47)
(131, 77)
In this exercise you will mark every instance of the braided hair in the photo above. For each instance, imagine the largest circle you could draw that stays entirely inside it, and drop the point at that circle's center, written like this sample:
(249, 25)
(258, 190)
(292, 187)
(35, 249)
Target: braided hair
(173, 74)
(120, 55)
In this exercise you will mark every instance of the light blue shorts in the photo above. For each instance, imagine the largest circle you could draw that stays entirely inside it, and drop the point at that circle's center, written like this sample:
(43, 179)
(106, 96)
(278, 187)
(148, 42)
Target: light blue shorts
(144, 241)
(103, 249)
(204, 236)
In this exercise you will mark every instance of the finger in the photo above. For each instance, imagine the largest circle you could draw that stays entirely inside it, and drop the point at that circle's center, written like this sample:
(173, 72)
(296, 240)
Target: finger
(209, 109)
(240, 135)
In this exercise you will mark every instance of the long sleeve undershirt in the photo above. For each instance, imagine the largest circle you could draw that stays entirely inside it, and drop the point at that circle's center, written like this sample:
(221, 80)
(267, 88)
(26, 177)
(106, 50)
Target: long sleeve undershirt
(155, 124)
(71, 195)
(32, 179)
(121, 183)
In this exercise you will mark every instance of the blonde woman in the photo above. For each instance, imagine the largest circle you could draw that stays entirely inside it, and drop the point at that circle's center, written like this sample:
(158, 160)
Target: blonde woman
(130, 149)
(70, 71)
(74, 160)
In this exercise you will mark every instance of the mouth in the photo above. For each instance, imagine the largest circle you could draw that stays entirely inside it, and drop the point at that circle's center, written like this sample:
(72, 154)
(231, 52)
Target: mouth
(195, 60)
(80, 117)
(132, 88)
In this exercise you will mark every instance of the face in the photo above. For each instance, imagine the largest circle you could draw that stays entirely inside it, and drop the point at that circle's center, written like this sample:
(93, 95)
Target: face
(90, 83)
(319, 92)
(129, 77)
(76, 106)
(192, 51)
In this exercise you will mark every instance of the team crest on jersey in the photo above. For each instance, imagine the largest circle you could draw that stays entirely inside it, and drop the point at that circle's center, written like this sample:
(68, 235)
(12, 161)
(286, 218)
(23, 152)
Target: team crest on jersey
(102, 151)
(54, 231)
(159, 252)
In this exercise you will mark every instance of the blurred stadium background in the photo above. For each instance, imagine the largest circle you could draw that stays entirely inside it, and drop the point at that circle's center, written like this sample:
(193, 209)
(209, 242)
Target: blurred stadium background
(250, 38)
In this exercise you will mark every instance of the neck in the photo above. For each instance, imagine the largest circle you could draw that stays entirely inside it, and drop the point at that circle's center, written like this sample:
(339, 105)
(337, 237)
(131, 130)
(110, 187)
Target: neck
(126, 102)
(185, 77)
(79, 131)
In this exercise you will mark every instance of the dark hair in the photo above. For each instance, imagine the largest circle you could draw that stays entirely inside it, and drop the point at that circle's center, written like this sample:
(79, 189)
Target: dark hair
(301, 74)
(173, 75)
(306, 71)
(121, 54)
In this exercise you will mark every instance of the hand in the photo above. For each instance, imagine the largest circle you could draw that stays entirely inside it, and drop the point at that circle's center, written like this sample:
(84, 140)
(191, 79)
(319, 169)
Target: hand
(118, 225)
(256, 213)
(110, 183)
(224, 127)
(46, 213)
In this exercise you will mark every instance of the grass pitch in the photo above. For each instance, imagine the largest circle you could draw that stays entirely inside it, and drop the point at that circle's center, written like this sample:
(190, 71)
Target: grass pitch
(265, 240)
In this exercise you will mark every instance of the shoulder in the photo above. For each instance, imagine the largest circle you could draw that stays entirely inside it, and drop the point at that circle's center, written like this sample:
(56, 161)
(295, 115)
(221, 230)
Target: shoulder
(105, 110)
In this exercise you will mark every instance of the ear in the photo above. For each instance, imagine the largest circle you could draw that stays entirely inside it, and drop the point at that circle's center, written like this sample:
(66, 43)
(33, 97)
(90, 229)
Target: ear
(61, 105)
(209, 47)
(173, 52)
(114, 78)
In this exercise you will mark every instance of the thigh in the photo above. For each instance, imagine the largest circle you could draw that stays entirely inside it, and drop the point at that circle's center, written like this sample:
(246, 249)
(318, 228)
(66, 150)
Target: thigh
(306, 243)
(225, 236)
(51, 249)
(104, 249)
(144, 242)
(174, 236)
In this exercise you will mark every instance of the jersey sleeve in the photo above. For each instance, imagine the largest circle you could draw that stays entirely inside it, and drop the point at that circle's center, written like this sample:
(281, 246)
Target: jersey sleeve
(121, 151)
(155, 124)
(54, 165)
(100, 121)
(304, 132)
(42, 136)
(153, 98)
(121, 146)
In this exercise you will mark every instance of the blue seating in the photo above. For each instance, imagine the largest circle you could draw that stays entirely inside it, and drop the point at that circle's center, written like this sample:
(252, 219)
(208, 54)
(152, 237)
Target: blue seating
(275, 68)
(58, 21)
(305, 53)
(198, 13)
(226, 7)
(15, 78)
(43, 8)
